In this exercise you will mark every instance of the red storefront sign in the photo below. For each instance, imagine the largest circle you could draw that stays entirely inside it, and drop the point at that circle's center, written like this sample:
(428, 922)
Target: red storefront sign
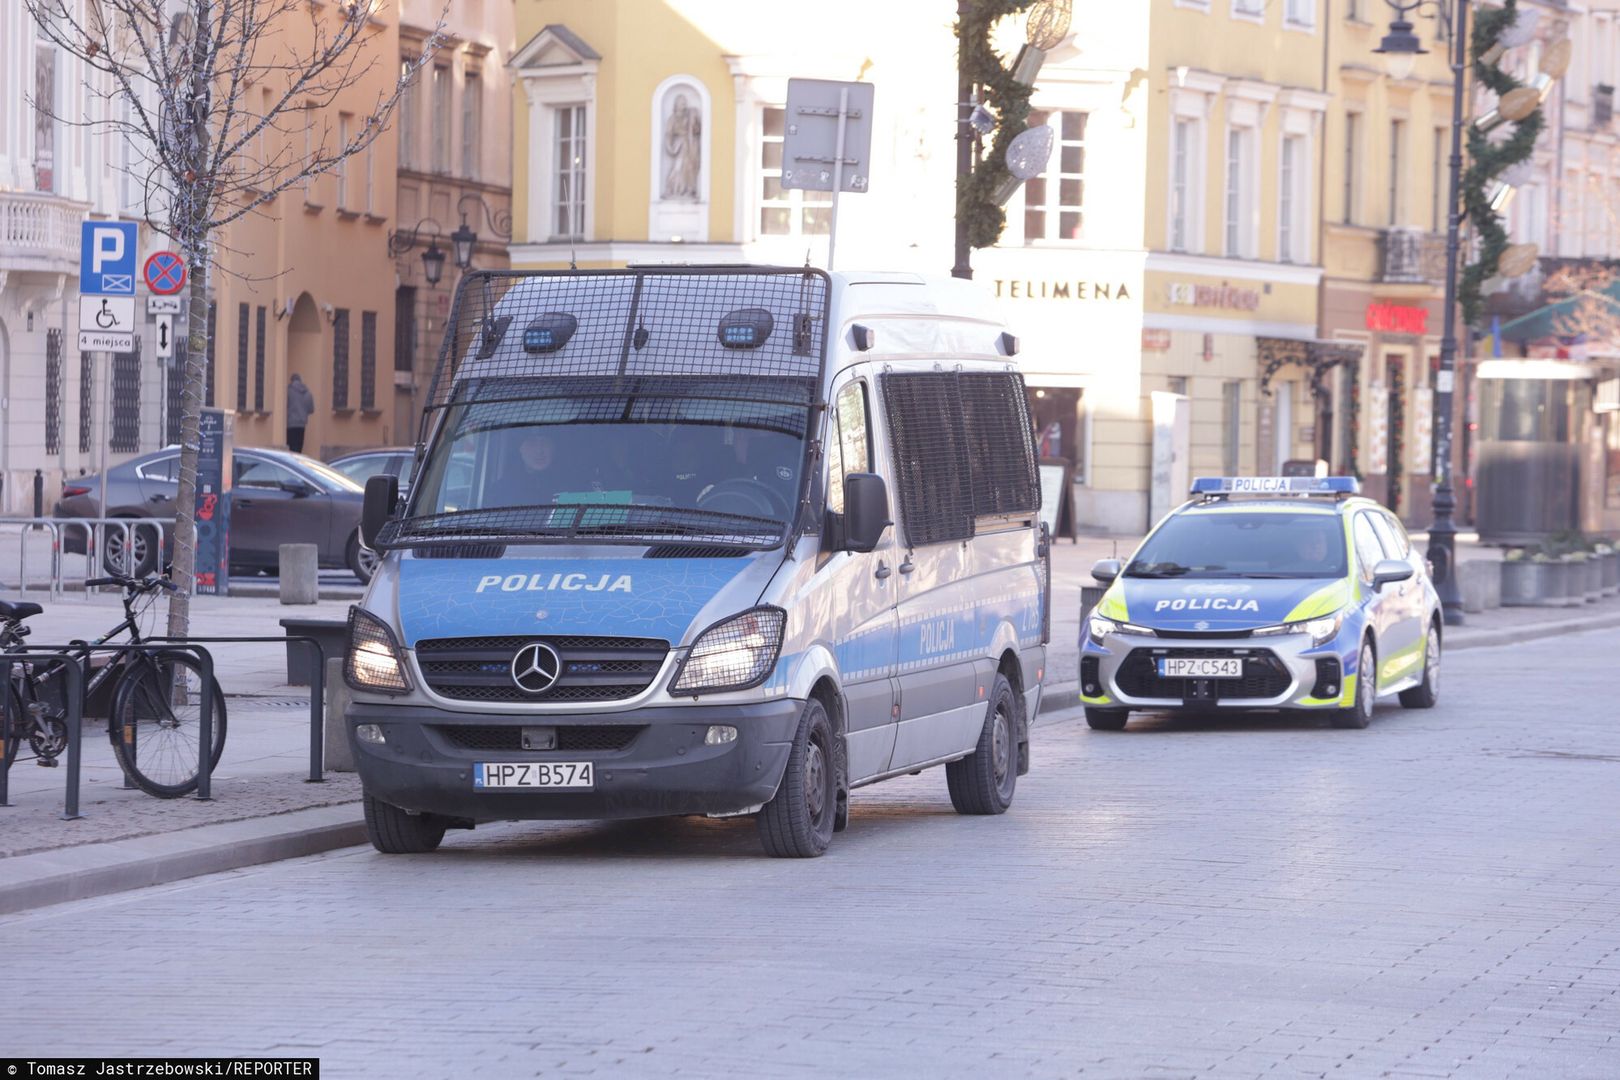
(1397, 318)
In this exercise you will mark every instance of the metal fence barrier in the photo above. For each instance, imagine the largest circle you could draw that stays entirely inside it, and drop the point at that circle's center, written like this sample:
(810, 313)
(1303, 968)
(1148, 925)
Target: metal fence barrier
(95, 538)
(75, 656)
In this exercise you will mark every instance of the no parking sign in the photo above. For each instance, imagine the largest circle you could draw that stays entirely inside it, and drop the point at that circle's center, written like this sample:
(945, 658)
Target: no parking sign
(165, 273)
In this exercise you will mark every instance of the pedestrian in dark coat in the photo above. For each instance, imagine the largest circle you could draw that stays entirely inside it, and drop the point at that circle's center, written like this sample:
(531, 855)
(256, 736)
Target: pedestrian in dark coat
(300, 403)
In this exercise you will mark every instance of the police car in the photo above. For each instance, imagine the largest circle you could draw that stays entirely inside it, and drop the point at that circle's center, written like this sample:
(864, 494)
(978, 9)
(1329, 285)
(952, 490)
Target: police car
(1265, 593)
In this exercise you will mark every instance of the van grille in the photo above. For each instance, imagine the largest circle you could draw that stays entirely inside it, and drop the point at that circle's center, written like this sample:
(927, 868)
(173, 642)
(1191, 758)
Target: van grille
(1264, 676)
(593, 668)
(571, 738)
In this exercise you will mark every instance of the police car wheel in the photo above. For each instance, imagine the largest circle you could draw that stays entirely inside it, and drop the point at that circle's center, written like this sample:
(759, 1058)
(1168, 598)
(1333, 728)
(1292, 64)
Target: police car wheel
(984, 781)
(1426, 693)
(1359, 715)
(798, 822)
(394, 832)
(1107, 719)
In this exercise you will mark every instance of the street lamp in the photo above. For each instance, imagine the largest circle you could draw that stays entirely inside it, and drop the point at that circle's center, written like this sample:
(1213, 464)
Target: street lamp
(463, 239)
(1401, 48)
(433, 263)
(432, 259)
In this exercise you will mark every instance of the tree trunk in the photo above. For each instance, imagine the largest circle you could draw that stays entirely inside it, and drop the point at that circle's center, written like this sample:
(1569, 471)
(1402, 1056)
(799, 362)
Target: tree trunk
(193, 383)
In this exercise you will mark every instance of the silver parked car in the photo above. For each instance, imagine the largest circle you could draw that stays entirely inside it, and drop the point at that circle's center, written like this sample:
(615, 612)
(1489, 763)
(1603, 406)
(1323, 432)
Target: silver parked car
(278, 497)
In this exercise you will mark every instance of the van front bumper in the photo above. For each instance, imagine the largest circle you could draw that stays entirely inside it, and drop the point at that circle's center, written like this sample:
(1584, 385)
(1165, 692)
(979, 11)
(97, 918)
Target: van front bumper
(664, 768)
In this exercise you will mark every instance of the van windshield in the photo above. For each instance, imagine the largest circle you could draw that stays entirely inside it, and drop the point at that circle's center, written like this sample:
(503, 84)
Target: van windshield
(1235, 543)
(644, 458)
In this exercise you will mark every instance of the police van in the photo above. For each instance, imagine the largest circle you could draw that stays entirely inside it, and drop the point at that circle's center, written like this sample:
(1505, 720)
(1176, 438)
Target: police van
(702, 540)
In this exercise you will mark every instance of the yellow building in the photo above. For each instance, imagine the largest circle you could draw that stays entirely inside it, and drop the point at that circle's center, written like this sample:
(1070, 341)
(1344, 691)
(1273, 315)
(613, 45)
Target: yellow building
(1172, 242)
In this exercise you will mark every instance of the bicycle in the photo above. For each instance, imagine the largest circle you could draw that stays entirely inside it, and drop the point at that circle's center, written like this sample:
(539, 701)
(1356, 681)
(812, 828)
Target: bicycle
(156, 698)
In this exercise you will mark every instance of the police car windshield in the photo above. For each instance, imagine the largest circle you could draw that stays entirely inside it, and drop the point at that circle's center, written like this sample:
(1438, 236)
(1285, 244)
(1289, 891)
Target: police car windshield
(1227, 542)
(691, 456)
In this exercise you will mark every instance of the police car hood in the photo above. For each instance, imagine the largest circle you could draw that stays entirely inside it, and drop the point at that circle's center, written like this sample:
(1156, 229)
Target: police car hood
(1230, 604)
(615, 595)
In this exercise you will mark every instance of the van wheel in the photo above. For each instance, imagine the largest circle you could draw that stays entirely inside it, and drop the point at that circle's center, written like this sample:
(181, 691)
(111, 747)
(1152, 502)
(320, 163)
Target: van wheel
(1107, 719)
(1359, 714)
(984, 781)
(394, 832)
(1426, 693)
(798, 822)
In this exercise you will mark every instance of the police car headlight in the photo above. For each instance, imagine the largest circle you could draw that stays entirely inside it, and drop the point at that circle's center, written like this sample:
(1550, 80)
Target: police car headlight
(1099, 628)
(1321, 631)
(735, 654)
(373, 661)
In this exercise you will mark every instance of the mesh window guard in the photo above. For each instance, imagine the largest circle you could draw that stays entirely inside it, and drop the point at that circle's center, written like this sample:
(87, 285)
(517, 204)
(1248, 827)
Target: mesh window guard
(963, 448)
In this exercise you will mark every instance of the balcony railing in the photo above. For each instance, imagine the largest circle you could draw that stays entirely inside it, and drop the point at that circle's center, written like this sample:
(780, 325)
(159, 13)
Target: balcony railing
(39, 232)
(1411, 257)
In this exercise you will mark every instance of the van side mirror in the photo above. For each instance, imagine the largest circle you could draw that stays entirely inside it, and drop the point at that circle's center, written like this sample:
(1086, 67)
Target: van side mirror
(382, 496)
(866, 511)
(1105, 570)
(1390, 570)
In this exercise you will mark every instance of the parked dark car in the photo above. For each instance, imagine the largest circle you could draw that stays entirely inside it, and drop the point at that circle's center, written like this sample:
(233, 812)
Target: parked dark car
(362, 465)
(277, 498)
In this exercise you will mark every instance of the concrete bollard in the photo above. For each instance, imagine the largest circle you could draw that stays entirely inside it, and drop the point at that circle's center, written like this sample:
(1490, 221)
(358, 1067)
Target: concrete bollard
(1481, 583)
(339, 754)
(300, 573)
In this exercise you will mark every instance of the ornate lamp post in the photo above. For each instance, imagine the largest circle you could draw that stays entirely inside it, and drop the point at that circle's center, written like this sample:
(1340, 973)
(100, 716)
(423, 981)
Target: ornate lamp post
(432, 259)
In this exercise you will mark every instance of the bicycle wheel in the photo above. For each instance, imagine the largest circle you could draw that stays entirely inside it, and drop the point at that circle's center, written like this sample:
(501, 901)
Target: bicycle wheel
(157, 711)
(19, 724)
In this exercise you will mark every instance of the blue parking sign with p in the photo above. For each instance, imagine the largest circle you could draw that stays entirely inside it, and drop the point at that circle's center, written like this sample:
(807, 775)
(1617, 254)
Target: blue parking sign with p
(107, 258)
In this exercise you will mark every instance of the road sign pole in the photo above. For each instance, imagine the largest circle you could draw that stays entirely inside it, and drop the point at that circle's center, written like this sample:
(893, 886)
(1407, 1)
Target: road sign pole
(838, 175)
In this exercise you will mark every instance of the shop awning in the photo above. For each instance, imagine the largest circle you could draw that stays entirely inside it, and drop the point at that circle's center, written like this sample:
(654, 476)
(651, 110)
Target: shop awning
(1564, 317)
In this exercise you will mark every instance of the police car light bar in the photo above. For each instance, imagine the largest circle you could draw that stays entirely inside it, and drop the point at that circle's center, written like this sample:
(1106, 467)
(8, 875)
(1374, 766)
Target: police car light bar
(1276, 485)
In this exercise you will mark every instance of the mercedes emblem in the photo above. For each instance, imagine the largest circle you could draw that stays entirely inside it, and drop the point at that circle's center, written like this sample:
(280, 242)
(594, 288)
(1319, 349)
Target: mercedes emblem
(536, 667)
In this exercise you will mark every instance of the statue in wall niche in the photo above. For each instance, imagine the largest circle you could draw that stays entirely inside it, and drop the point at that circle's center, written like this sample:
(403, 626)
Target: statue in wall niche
(682, 150)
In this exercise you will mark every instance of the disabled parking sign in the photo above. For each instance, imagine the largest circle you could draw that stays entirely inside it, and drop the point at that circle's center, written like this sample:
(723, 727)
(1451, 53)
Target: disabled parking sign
(107, 258)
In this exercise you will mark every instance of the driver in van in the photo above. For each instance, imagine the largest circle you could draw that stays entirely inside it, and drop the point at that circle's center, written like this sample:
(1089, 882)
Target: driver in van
(536, 453)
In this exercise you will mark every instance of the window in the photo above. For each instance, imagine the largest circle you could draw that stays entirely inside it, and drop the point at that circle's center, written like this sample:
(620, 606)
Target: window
(340, 359)
(208, 364)
(309, 153)
(1232, 424)
(1611, 459)
(1438, 182)
(44, 117)
(368, 360)
(1289, 202)
(408, 107)
(405, 329)
(53, 391)
(369, 203)
(1054, 201)
(1181, 211)
(472, 103)
(849, 443)
(440, 122)
(784, 211)
(241, 357)
(165, 468)
(87, 390)
(568, 192)
(1368, 550)
(1253, 8)
(1300, 12)
(1237, 192)
(125, 437)
(949, 474)
(1391, 535)
(341, 173)
(1352, 132)
(1397, 153)
(131, 197)
(255, 472)
(258, 358)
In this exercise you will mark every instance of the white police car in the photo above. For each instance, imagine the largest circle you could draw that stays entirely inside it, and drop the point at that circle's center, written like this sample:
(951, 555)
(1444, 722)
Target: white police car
(1265, 593)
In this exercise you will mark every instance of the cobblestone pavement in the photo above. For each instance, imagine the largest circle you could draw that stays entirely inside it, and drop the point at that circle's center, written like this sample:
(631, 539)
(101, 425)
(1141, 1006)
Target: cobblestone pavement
(1438, 895)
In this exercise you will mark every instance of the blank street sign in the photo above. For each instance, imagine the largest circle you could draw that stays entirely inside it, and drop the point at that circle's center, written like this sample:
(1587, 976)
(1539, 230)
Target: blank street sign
(810, 138)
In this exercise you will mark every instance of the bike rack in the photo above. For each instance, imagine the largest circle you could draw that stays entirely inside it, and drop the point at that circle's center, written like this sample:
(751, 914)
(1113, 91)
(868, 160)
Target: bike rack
(95, 534)
(317, 689)
(28, 525)
(65, 654)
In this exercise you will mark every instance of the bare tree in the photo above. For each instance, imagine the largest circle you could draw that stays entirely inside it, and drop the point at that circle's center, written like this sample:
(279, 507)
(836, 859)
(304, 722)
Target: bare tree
(1594, 313)
(175, 78)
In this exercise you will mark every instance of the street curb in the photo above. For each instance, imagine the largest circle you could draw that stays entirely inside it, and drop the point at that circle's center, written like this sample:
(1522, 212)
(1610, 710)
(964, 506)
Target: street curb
(89, 870)
(1515, 635)
(1059, 696)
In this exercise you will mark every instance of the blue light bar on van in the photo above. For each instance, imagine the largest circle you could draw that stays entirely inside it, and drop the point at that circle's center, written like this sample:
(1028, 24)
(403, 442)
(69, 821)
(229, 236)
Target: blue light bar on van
(746, 328)
(1276, 485)
(549, 332)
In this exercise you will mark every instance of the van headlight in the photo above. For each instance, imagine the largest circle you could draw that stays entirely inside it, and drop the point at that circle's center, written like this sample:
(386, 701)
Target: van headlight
(734, 654)
(373, 661)
(1321, 631)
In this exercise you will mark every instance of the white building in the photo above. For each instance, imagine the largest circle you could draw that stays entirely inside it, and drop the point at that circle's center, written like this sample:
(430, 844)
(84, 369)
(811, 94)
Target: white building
(63, 412)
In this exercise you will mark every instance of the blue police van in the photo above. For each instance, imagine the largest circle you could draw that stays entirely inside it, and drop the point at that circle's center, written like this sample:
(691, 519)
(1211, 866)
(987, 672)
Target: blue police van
(702, 540)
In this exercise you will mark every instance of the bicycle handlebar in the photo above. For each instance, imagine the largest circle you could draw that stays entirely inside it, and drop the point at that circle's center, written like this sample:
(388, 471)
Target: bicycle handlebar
(134, 585)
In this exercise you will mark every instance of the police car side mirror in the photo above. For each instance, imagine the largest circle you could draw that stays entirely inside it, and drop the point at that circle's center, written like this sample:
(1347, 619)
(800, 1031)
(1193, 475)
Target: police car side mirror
(866, 511)
(382, 495)
(1390, 570)
(1105, 570)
